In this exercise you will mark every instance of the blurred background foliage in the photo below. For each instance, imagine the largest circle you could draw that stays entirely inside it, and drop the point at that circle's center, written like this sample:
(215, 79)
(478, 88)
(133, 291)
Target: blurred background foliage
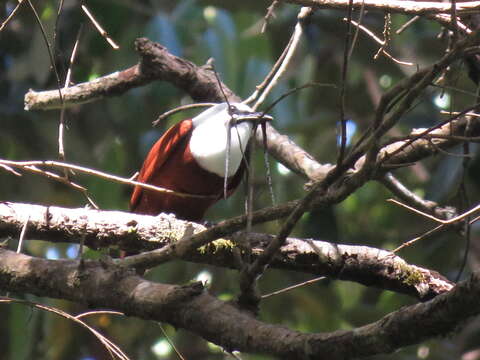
(114, 134)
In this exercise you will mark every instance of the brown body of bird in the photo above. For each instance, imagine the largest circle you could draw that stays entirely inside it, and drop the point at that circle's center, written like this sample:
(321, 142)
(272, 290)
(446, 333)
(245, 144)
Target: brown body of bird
(190, 159)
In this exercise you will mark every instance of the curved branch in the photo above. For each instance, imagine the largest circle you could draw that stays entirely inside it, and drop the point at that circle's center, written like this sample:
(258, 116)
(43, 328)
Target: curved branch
(198, 81)
(366, 265)
(101, 285)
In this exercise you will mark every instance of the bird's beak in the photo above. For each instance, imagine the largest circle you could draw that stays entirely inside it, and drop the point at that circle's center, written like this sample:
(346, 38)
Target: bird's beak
(259, 117)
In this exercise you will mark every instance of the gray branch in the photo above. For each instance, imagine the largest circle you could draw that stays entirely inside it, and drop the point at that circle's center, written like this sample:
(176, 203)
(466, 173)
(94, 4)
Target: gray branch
(157, 64)
(100, 229)
(192, 308)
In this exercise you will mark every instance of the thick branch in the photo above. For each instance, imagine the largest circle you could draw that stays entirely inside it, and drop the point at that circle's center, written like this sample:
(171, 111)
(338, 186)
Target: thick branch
(198, 81)
(113, 84)
(406, 152)
(156, 63)
(336, 193)
(368, 266)
(394, 6)
(100, 285)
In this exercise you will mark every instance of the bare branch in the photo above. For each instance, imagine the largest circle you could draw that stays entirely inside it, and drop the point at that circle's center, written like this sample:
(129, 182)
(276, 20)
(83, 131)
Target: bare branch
(431, 207)
(99, 28)
(454, 220)
(269, 15)
(394, 6)
(381, 42)
(112, 348)
(32, 166)
(289, 51)
(133, 232)
(199, 82)
(194, 309)
(12, 14)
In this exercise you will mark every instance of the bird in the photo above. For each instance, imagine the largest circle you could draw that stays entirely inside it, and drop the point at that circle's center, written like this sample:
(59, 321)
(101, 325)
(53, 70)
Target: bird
(191, 158)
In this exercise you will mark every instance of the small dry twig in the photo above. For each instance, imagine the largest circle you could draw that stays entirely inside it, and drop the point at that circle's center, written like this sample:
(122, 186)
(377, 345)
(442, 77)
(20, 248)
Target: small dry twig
(423, 236)
(113, 349)
(381, 42)
(180, 356)
(22, 235)
(407, 24)
(12, 14)
(270, 14)
(296, 286)
(57, 164)
(292, 46)
(99, 28)
(98, 312)
(178, 109)
(347, 51)
(431, 217)
(61, 125)
(50, 175)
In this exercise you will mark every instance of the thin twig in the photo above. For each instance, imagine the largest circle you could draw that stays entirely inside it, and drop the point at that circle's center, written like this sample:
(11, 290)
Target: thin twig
(296, 286)
(443, 112)
(465, 201)
(253, 273)
(22, 235)
(12, 14)
(61, 151)
(61, 125)
(445, 152)
(453, 137)
(72, 58)
(113, 349)
(9, 169)
(98, 312)
(259, 88)
(270, 14)
(346, 58)
(355, 35)
(428, 131)
(291, 91)
(250, 192)
(99, 28)
(170, 342)
(407, 24)
(268, 172)
(304, 13)
(178, 109)
(57, 22)
(422, 8)
(56, 177)
(401, 191)
(386, 34)
(449, 221)
(100, 174)
(414, 240)
(453, 18)
(381, 42)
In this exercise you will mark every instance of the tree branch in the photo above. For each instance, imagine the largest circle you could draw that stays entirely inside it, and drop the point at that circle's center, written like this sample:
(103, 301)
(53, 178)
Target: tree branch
(393, 6)
(192, 308)
(100, 229)
(199, 82)
(430, 207)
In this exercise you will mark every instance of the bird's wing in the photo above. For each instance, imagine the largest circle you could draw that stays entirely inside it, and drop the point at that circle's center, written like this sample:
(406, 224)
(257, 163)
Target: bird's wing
(238, 176)
(157, 156)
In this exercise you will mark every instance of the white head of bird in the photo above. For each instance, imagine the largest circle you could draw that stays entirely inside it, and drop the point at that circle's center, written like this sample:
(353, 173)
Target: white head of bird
(209, 141)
